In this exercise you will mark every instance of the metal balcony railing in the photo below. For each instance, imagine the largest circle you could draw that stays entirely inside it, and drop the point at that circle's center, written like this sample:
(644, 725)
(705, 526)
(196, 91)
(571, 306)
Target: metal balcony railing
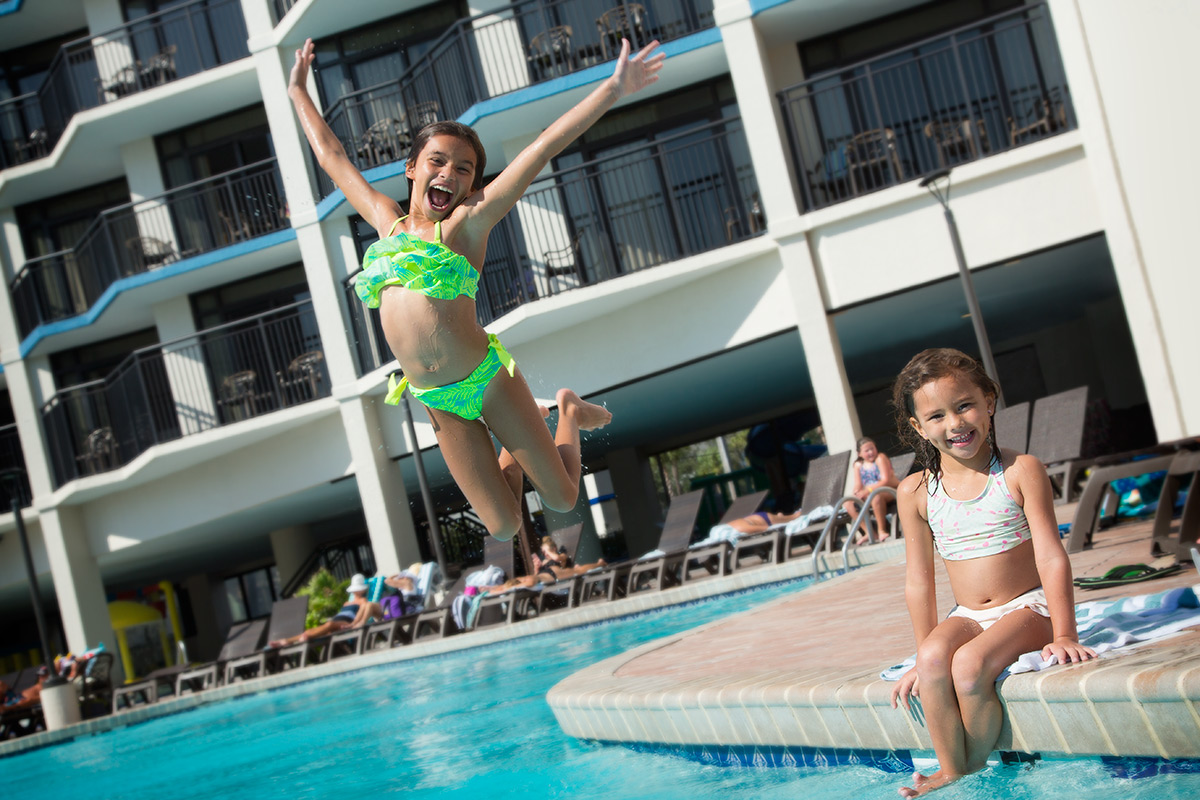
(658, 202)
(281, 8)
(187, 386)
(982, 89)
(138, 237)
(150, 51)
(12, 457)
(496, 53)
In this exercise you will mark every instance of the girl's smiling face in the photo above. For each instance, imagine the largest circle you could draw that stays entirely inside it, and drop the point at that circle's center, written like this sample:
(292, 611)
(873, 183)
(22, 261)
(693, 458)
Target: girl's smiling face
(442, 175)
(954, 415)
(868, 451)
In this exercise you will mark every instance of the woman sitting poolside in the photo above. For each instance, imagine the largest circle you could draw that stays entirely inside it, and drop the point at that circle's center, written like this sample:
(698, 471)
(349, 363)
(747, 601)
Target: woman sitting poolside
(356, 612)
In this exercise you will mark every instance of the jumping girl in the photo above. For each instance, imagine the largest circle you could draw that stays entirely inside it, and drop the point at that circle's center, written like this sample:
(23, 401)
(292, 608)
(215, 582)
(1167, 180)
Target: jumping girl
(990, 516)
(423, 274)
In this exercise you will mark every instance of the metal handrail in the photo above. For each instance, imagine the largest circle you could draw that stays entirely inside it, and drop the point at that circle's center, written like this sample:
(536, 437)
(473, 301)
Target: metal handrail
(833, 521)
(864, 519)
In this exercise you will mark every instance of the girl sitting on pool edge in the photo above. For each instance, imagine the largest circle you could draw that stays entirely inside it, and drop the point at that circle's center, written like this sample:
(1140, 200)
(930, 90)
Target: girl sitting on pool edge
(423, 275)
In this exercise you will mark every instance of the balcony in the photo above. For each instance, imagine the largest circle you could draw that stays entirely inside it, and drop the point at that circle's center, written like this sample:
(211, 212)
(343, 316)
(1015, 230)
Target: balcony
(139, 237)
(12, 457)
(658, 202)
(151, 51)
(494, 54)
(159, 394)
(993, 86)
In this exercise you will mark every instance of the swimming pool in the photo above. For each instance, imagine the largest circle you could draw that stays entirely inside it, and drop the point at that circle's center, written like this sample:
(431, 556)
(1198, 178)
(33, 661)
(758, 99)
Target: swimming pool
(472, 724)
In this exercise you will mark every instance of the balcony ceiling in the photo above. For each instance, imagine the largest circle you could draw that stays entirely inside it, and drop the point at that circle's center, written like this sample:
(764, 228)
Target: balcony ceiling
(788, 23)
(38, 20)
(90, 150)
(325, 18)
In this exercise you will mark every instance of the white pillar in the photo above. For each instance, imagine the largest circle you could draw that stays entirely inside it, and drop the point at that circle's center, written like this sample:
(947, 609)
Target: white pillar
(1146, 319)
(766, 136)
(380, 486)
(77, 580)
(502, 50)
(112, 55)
(12, 257)
(637, 499)
(822, 351)
(184, 362)
(259, 23)
(26, 395)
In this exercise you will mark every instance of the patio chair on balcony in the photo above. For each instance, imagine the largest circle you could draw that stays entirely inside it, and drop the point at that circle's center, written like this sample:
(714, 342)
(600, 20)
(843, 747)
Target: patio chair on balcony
(99, 452)
(33, 147)
(1038, 117)
(382, 143)
(418, 115)
(550, 52)
(238, 395)
(146, 252)
(122, 82)
(628, 21)
(957, 141)
(301, 381)
(565, 264)
(870, 156)
(159, 68)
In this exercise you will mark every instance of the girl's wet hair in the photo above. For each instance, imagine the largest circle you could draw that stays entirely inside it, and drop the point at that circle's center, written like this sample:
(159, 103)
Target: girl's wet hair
(457, 130)
(930, 365)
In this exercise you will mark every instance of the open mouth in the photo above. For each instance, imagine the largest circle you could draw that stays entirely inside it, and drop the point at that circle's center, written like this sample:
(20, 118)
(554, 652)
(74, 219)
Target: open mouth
(963, 440)
(439, 198)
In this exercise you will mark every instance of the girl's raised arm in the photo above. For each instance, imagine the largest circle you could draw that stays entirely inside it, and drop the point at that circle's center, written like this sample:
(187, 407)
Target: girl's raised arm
(491, 203)
(376, 207)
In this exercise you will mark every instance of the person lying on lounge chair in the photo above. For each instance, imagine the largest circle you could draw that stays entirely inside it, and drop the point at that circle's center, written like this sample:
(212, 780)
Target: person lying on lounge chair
(760, 521)
(552, 564)
(356, 612)
(30, 697)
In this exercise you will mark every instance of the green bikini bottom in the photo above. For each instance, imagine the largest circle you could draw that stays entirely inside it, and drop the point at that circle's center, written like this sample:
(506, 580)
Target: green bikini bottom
(464, 398)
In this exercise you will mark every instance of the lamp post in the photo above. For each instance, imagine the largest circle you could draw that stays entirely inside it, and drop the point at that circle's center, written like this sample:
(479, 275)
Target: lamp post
(435, 533)
(60, 703)
(941, 193)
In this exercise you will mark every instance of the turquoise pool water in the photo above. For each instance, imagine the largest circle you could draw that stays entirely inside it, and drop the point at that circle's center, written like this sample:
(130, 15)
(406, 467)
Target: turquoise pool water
(473, 724)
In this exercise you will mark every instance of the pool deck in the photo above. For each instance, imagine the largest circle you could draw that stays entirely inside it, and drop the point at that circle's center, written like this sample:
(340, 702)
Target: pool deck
(802, 673)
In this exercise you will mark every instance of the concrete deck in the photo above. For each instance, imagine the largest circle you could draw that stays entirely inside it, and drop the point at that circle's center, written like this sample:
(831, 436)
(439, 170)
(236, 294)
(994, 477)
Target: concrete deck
(803, 673)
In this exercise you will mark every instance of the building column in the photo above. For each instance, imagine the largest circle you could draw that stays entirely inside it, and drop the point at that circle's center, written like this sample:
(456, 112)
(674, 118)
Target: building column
(589, 543)
(12, 257)
(184, 362)
(750, 70)
(142, 172)
(637, 499)
(77, 581)
(822, 351)
(380, 486)
(1146, 322)
(27, 380)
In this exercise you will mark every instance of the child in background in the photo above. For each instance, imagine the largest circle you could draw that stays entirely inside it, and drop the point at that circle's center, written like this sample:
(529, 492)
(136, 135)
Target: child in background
(989, 513)
(872, 469)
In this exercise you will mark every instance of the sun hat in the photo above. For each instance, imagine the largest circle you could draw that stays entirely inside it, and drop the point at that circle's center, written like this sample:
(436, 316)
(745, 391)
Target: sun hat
(358, 583)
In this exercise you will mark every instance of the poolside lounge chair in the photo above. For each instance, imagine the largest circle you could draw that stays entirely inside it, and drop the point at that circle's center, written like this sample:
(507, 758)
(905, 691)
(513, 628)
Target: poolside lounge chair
(1012, 427)
(655, 573)
(1164, 542)
(1056, 438)
(439, 620)
(1098, 491)
(508, 606)
(824, 483)
(241, 656)
(711, 559)
(562, 594)
(15, 722)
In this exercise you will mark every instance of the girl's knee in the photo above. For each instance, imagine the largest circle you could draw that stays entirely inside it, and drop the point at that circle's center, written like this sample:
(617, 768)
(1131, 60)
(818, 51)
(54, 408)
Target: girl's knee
(933, 660)
(504, 527)
(560, 498)
(968, 671)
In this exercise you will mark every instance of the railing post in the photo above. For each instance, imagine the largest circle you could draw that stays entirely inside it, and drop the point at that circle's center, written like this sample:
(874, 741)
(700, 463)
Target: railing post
(966, 90)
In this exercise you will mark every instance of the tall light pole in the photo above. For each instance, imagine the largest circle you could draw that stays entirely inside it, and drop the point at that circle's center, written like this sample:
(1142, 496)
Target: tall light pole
(941, 192)
(435, 532)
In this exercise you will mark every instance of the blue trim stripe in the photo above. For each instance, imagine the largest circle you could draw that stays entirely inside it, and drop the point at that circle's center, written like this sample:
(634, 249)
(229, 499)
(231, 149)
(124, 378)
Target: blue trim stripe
(10, 7)
(758, 6)
(598, 500)
(48, 329)
(507, 102)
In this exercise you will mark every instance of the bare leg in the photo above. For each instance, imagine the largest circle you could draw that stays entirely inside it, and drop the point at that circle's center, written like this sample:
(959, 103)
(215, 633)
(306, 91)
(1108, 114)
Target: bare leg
(487, 483)
(879, 506)
(940, 703)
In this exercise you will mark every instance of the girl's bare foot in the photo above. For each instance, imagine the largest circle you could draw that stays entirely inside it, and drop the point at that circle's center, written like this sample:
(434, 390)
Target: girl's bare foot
(588, 416)
(923, 784)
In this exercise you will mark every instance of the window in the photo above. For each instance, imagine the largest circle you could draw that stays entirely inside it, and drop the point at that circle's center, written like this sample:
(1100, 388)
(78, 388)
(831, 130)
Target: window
(251, 594)
(23, 69)
(97, 360)
(251, 296)
(215, 146)
(58, 223)
(381, 51)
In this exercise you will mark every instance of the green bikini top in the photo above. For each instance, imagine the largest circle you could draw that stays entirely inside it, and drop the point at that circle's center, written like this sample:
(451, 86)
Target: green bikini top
(431, 268)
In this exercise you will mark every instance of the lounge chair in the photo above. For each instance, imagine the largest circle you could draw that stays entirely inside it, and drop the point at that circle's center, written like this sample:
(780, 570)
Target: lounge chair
(822, 487)
(1098, 490)
(1056, 438)
(510, 605)
(1012, 427)
(15, 722)
(439, 620)
(95, 685)
(241, 656)
(655, 573)
(562, 594)
(1179, 544)
(702, 556)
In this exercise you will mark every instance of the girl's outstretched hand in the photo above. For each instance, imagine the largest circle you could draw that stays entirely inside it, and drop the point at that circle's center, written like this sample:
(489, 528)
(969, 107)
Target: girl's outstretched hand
(304, 60)
(634, 74)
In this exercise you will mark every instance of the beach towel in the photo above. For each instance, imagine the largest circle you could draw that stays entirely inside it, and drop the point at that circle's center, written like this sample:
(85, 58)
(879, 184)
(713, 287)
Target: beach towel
(1106, 625)
(804, 520)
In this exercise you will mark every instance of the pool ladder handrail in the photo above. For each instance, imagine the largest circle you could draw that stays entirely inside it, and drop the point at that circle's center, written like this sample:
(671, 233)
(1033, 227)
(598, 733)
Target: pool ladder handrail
(864, 507)
(838, 514)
